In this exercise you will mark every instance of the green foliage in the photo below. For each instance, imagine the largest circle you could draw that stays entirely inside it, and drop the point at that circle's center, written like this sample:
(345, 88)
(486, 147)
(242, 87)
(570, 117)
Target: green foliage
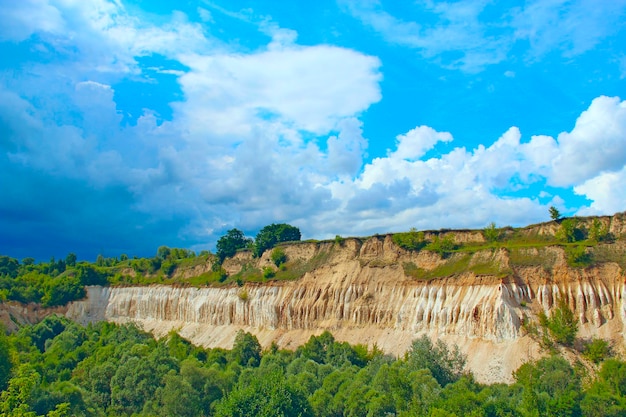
(598, 232)
(111, 370)
(272, 234)
(555, 214)
(91, 275)
(445, 365)
(278, 256)
(5, 359)
(163, 252)
(268, 272)
(243, 295)
(551, 387)
(323, 349)
(606, 397)
(569, 231)
(15, 400)
(532, 256)
(8, 266)
(454, 265)
(246, 349)
(42, 284)
(597, 350)
(491, 233)
(411, 240)
(266, 395)
(230, 243)
(578, 256)
(298, 268)
(443, 246)
(562, 324)
(339, 240)
(61, 290)
(70, 259)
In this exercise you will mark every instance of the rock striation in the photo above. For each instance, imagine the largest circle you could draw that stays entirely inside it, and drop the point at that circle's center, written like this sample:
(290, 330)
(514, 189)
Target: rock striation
(362, 293)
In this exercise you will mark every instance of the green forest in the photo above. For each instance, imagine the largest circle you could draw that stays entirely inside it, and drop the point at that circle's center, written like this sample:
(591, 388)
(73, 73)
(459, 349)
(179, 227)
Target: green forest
(59, 281)
(59, 368)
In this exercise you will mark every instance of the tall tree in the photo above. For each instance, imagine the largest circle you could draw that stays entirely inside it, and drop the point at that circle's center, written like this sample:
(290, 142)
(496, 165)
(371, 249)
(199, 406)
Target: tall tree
(5, 359)
(555, 214)
(228, 244)
(275, 233)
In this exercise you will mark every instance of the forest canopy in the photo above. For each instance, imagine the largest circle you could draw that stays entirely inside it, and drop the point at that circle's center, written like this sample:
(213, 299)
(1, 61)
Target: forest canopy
(59, 368)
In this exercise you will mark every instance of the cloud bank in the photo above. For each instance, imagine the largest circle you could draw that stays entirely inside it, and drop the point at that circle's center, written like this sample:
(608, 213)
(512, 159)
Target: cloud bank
(260, 136)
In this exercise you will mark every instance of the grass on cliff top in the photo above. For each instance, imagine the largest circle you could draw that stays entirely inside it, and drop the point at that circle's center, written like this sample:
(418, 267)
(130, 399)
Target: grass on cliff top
(289, 271)
(455, 265)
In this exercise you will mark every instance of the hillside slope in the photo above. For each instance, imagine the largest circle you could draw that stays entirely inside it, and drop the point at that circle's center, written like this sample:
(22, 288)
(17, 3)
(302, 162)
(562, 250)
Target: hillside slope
(372, 291)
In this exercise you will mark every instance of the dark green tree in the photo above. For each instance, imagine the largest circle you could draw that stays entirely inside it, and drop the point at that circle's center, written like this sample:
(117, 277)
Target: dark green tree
(551, 387)
(265, 395)
(555, 214)
(5, 359)
(272, 234)
(28, 261)
(178, 397)
(8, 266)
(228, 244)
(607, 395)
(163, 252)
(16, 399)
(70, 259)
(246, 349)
(445, 365)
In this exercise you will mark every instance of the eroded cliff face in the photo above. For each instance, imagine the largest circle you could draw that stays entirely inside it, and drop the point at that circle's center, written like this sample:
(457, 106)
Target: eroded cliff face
(360, 291)
(13, 315)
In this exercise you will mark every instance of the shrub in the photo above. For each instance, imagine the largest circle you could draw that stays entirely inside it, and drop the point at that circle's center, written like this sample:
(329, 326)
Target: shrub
(491, 233)
(569, 231)
(168, 267)
(268, 272)
(578, 257)
(278, 256)
(597, 350)
(598, 232)
(442, 246)
(562, 325)
(412, 240)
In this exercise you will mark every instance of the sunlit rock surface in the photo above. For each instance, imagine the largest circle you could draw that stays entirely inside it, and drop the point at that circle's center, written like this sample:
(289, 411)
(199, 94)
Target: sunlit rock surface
(360, 293)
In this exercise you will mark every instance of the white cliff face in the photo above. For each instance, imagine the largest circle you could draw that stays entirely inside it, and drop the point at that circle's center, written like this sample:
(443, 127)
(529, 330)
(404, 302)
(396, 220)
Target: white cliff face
(473, 311)
(362, 295)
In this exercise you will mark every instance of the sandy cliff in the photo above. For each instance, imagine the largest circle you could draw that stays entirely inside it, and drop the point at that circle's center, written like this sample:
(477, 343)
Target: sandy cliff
(360, 291)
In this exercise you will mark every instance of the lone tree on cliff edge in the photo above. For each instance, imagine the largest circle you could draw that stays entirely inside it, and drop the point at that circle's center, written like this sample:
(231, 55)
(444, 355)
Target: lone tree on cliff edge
(228, 244)
(275, 233)
(555, 214)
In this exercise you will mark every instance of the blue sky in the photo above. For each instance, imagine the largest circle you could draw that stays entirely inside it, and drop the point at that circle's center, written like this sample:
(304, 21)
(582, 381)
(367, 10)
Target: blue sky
(126, 125)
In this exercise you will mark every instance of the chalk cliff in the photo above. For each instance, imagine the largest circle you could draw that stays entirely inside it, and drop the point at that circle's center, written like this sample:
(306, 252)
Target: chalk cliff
(363, 292)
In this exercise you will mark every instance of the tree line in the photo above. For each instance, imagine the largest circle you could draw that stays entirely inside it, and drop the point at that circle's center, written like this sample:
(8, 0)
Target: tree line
(267, 238)
(59, 368)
